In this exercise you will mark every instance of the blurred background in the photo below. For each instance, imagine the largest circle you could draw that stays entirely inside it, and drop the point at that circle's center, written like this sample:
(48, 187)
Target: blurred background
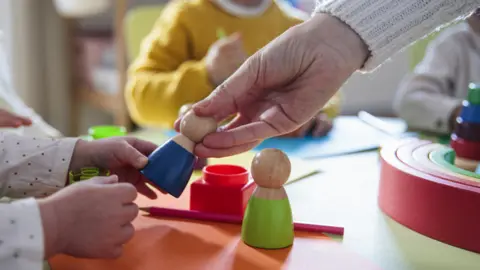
(71, 70)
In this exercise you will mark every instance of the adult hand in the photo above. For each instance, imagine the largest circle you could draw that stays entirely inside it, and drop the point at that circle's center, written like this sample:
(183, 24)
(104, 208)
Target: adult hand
(90, 219)
(277, 89)
(224, 57)
(319, 126)
(11, 120)
(123, 156)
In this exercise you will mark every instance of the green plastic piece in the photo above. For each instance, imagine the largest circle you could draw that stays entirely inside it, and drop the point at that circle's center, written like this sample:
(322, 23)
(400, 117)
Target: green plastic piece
(268, 224)
(446, 158)
(101, 132)
(85, 174)
(474, 94)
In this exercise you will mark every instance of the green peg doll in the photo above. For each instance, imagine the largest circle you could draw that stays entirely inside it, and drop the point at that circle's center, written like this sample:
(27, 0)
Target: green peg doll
(268, 221)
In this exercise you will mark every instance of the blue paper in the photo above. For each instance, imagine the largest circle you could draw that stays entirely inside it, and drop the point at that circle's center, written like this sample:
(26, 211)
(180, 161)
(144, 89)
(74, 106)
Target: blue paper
(349, 135)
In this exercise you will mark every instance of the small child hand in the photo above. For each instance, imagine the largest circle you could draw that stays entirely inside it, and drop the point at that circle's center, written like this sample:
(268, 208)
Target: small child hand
(10, 120)
(323, 125)
(122, 156)
(89, 219)
(224, 57)
(301, 131)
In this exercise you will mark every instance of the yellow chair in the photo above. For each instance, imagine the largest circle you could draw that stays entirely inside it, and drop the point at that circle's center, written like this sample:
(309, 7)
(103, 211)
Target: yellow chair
(137, 25)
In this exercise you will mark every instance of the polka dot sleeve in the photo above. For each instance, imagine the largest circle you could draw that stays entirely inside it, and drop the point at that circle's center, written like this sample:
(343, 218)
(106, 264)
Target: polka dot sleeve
(33, 166)
(21, 235)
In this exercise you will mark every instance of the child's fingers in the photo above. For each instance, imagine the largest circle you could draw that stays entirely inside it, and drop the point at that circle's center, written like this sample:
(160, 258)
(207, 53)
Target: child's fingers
(323, 125)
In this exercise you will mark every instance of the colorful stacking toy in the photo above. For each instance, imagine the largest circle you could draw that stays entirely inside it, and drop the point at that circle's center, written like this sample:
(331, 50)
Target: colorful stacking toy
(466, 138)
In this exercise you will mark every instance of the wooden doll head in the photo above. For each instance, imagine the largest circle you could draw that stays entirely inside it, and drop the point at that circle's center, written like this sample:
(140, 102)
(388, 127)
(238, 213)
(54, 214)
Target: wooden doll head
(270, 168)
(196, 128)
(184, 109)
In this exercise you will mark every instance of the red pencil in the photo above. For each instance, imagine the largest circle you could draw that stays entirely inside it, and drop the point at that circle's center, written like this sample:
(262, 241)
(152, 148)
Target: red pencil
(196, 215)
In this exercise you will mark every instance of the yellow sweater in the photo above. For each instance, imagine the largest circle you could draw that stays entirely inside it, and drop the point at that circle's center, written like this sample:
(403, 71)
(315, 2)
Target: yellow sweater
(170, 69)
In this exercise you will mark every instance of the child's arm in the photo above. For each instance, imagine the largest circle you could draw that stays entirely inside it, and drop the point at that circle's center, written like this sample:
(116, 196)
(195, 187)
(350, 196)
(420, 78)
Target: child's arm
(424, 99)
(163, 78)
(32, 166)
(21, 235)
(29, 167)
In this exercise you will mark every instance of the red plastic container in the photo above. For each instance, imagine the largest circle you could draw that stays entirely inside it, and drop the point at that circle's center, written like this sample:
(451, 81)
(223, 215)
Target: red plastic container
(222, 189)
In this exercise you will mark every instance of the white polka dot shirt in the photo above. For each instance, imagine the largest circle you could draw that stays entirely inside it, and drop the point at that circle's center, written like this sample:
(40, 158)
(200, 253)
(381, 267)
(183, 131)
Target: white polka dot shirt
(29, 167)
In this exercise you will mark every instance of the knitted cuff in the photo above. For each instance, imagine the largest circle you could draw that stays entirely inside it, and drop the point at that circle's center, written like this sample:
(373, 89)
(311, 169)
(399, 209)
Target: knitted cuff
(388, 26)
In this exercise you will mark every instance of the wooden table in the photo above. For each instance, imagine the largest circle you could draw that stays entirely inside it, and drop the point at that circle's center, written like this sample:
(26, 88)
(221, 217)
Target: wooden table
(347, 193)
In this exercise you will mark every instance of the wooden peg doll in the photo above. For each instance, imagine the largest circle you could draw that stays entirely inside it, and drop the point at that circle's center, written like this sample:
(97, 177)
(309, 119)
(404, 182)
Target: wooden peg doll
(171, 165)
(268, 221)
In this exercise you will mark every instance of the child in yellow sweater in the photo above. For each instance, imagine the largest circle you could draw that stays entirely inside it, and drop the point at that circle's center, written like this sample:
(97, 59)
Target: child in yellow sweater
(183, 58)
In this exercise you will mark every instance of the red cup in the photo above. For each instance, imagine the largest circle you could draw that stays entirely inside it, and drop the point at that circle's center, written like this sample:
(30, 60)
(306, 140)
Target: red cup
(226, 175)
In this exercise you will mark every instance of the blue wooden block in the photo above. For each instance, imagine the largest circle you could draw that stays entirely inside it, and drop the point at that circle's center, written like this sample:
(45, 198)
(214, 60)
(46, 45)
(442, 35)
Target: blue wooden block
(470, 112)
(170, 167)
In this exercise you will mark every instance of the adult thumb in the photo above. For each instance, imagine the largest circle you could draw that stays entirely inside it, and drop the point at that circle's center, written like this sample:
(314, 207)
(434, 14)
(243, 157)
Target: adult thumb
(105, 180)
(237, 90)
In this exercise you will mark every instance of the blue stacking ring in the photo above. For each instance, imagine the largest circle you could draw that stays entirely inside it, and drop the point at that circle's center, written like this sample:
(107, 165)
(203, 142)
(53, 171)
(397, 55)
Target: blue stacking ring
(169, 168)
(470, 113)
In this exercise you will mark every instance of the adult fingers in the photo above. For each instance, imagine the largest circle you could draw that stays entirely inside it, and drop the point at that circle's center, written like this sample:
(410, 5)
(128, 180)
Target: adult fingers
(244, 134)
(176, 125)
(273, 122)
(203, 151)
(237, 89)
(302, 131)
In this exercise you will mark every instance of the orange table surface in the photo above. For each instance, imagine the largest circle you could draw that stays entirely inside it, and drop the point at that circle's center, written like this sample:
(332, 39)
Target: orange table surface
(161, 243)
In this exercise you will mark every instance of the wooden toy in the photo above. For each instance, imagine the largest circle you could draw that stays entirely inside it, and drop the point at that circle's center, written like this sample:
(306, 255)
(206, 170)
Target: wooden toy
(171, 165)
(233, 219)
(268, 221)
(466, 138)
(474, 94)
(416, 155)
(467, 164)
(467, 131)
(222, 189)
(465, 149)
(470, 112)
(436, 205)
(446, 158)
(200, 163)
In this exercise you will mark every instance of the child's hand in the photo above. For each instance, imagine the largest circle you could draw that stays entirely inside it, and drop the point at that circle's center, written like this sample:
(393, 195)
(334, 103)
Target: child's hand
(123, 156)
(10, 120)
(224, 57)
(319, 126)
(90, 219)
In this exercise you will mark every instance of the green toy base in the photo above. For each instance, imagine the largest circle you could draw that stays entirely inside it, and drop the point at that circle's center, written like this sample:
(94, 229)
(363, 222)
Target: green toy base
(268, 224)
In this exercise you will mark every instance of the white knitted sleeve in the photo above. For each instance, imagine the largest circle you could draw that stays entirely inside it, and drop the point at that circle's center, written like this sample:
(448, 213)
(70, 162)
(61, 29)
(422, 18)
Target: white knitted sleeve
(388, 26)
